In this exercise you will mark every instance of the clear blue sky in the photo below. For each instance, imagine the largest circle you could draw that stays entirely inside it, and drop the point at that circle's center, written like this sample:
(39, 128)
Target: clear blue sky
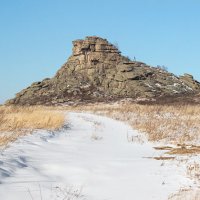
(36, 35)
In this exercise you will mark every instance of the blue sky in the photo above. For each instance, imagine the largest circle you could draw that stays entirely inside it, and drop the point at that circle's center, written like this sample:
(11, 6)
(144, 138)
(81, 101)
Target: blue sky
(36, 35)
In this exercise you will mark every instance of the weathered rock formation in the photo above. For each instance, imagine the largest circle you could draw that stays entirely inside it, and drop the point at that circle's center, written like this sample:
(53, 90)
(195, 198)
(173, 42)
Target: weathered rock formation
(96, 71)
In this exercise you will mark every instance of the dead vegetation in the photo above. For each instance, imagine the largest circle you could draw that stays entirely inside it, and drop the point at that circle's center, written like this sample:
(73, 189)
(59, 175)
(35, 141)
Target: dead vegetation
(193, 171)
(180, 149)
(175, 126)
(162, 157)
(185, 150)
(170, 124)
(17, 121)
(186, 194)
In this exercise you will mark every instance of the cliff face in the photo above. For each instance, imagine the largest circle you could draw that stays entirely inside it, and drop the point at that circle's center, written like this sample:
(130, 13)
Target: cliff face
(96, 71)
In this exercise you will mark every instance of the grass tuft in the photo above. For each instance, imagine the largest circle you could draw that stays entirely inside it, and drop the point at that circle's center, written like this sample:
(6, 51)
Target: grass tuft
(16, 121)
(169, 124)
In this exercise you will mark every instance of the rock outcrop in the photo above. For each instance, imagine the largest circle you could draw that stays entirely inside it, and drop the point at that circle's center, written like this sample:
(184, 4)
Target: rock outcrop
(96, 71)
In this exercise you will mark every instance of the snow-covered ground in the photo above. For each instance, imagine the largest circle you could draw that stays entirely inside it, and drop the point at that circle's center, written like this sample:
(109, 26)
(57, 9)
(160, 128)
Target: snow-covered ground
(93, 159)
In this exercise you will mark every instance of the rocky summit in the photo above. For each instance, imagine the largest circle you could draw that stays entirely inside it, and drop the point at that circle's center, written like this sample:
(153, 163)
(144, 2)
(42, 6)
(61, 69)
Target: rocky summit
(96, 71)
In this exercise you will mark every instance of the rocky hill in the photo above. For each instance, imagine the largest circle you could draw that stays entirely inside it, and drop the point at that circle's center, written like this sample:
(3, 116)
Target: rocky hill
(96, 71)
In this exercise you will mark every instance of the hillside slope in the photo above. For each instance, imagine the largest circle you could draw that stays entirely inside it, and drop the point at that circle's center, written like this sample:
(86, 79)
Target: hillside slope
(96, 71)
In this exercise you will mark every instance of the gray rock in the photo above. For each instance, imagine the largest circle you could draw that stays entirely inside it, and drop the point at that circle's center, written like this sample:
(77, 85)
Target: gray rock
(96, 71)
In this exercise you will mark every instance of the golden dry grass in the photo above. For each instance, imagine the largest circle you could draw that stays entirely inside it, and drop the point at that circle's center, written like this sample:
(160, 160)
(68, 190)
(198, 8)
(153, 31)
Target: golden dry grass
(180, 149)
(177, 127)
(170, 124)
(162, 157)
(185, 150)
(17, 121)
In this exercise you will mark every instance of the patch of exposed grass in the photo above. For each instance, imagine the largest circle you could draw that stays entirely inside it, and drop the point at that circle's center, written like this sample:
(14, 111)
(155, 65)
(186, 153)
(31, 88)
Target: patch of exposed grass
(180, 149)
(185, 150)
(167, 123)
(177, 127)
(17, 121)
(162, 157)
(163, 148)
(186, 194)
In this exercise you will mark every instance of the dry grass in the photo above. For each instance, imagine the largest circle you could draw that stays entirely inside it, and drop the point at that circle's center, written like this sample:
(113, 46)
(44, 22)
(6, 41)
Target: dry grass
(170, 124)
(17, 121)
(186, 194)
(176, 127)
(184, 150)
(180, 149)
(162, 157)
(193, 171)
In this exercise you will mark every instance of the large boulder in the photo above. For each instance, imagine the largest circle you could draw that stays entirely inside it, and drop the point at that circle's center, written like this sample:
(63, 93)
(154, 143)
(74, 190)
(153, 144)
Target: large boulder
(96, 71)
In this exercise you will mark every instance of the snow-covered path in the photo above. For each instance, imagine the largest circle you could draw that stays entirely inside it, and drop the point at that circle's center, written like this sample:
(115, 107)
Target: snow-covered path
(91, 160)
